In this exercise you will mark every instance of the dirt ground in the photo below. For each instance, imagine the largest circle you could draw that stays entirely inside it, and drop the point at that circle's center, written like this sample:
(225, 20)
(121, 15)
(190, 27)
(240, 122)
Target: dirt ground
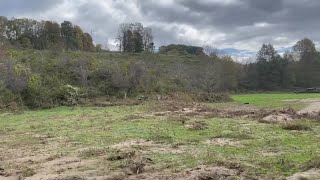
(312, 109)
(313, 106)
(312, 174)
(43, 162)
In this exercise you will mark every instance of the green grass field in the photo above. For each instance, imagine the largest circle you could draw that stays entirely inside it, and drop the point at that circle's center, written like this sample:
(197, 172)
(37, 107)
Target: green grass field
(260, 150)
(274, 100)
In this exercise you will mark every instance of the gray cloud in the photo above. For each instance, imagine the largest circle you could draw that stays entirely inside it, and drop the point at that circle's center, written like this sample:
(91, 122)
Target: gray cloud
(19, 7)
(242, 24)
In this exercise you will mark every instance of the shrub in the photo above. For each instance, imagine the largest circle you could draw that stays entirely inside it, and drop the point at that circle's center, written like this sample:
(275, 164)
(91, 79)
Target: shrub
(69, 95)
(8, 99)
(214, 97)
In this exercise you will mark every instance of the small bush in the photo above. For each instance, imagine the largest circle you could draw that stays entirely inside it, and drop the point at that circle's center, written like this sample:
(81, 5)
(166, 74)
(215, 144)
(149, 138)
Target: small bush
(9, 100)
(69, 95)
(214, 97)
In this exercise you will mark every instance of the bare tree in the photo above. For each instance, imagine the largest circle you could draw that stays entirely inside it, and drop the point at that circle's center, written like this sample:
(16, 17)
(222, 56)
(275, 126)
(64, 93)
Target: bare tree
(120, 36)
(82, 71)
(209, 78)
(148, 39)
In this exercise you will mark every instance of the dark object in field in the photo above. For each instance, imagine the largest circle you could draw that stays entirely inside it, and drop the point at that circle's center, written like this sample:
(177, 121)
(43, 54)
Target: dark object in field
(246, 103)
(308, 90)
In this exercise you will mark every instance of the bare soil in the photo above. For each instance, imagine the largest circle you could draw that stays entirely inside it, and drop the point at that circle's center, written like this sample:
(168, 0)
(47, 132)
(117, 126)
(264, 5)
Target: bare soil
(201, 172)
(40, 161)
(313, 109)
(224, 142)
(242, 111)
(148, 146)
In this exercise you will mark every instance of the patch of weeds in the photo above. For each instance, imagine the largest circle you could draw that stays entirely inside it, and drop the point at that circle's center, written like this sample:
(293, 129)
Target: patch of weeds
(119, 155)
(133, 117)
(93, 152)
(160, 135)
(214, 97)
(233, 135)
(296, 127)
(283, 164)
(27, 172)
(134, 165)
(313, 163)
(197, 125)
(232, 165)
(178, 118)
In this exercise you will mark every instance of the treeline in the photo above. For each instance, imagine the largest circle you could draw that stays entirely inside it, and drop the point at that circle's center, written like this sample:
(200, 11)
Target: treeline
(31, 34)
(299, 68)
(134, 38)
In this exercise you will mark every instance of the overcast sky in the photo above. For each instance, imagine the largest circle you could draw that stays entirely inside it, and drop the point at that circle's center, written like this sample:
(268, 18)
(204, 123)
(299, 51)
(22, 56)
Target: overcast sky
(239, 24)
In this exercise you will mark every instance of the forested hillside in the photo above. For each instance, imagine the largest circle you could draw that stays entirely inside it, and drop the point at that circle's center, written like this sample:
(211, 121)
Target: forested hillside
(37, 78)
(45, 64)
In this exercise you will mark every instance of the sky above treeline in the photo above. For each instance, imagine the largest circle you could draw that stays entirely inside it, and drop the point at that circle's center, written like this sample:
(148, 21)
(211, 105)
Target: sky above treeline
(239, 27)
